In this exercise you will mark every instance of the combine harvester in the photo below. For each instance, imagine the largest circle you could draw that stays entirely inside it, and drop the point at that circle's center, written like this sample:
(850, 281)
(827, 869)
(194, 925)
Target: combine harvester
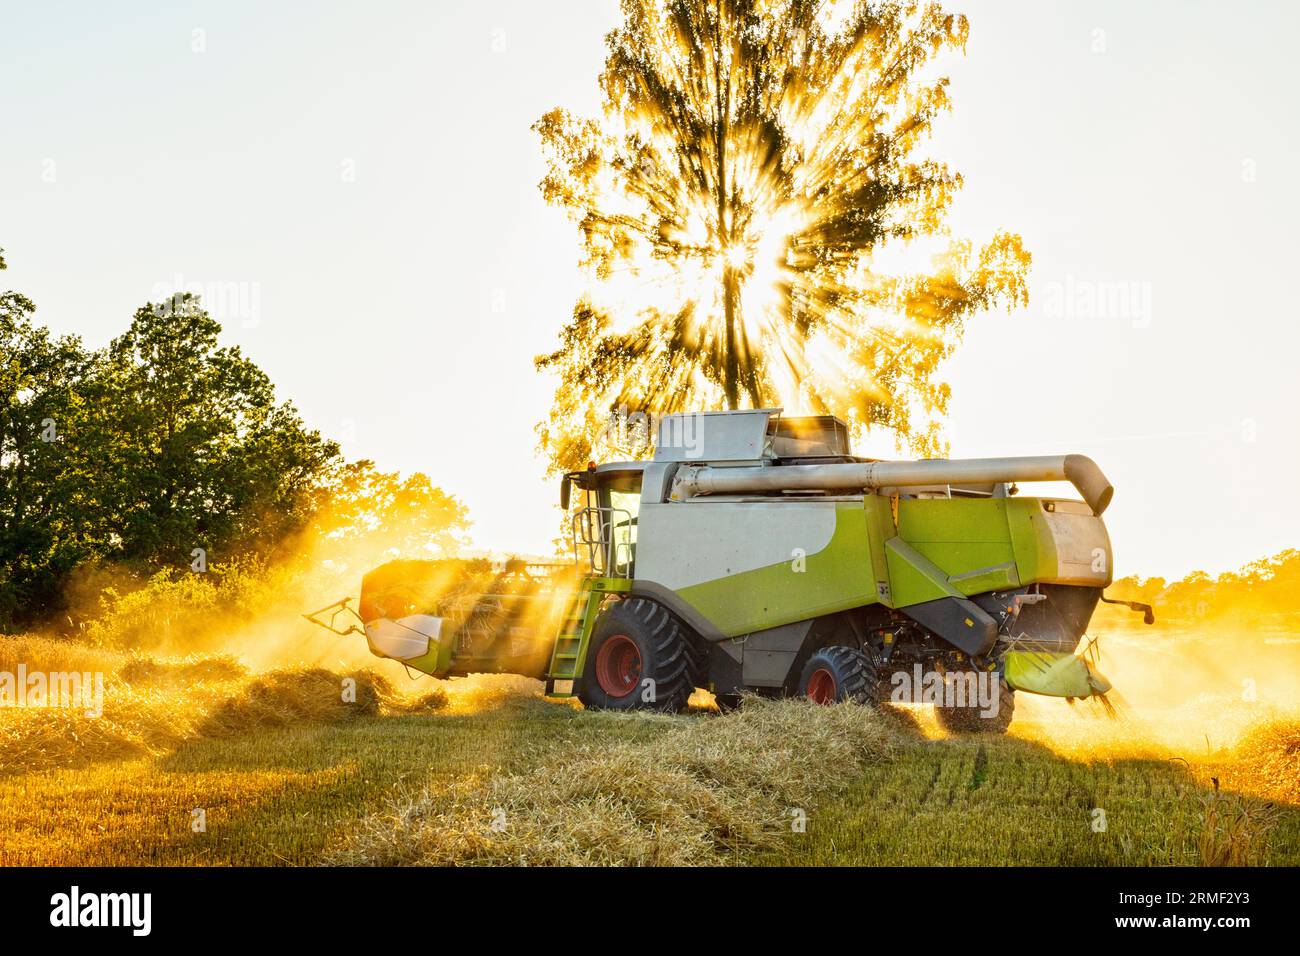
(756, 554)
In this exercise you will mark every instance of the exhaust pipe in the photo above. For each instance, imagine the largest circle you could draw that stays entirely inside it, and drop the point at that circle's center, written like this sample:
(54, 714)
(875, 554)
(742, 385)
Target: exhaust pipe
(1079, 470)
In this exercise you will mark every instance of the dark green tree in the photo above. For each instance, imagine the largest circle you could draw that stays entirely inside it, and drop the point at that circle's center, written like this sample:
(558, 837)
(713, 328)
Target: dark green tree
(46, 529)
(138, 454)
(198, 453)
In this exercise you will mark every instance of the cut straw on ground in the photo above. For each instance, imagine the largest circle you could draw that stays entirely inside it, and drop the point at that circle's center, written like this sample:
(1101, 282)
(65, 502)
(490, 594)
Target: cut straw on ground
(150, 706)
(482, 771)
(700, 792)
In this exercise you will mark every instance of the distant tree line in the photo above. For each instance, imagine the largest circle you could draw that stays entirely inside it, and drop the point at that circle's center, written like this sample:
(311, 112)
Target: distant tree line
(164, 450)
(1265, 589)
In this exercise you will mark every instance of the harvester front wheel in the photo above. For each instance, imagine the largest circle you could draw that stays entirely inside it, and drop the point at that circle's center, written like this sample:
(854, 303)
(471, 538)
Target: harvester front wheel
(839, 673)
(973, 720)
(639, 659)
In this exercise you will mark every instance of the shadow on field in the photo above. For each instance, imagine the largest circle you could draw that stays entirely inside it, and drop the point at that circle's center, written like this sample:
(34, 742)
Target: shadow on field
(281, 781)
(367, 761)
(1002, 801)
(165, 707)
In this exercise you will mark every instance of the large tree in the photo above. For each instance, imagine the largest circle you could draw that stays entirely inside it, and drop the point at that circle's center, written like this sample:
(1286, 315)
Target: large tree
(755, 164)
(141, 452)
(115, 464)
(45, 530)
(198, 452)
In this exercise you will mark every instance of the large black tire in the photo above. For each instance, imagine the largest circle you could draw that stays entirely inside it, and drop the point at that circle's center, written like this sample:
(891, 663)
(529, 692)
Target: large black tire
(697, 660)
(639, 659)
(837, 674)
(971, 720)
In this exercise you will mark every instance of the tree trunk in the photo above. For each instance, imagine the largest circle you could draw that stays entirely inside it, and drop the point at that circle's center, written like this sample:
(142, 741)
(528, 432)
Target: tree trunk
(730, 280)
(731, 367)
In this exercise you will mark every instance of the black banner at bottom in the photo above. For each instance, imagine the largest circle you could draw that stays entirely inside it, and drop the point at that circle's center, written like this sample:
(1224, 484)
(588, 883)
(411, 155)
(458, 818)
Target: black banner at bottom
(212, 906)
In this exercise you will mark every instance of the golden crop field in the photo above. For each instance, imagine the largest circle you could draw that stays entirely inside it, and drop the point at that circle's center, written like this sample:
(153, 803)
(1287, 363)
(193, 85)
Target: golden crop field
(199, 761)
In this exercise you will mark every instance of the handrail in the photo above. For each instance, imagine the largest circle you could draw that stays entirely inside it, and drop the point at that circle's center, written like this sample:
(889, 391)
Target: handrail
(595, 529)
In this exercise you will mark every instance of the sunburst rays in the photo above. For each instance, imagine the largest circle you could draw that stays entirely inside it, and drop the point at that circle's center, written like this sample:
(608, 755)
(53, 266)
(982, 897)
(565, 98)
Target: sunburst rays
(752, 160)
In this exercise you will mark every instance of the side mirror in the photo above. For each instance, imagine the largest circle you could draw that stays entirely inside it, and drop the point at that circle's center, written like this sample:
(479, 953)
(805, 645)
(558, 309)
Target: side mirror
(566, 486)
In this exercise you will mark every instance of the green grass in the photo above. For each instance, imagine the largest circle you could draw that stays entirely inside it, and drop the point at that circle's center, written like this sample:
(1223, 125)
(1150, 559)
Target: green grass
(279, 795)
(287, 773)
(296, 794)
(1011, 802)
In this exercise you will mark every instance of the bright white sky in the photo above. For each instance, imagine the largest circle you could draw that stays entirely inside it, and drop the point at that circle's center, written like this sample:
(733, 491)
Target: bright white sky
(366, 175)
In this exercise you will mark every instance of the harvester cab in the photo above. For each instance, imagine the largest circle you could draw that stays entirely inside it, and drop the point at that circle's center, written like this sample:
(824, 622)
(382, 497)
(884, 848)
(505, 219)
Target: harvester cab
(754, 553)
(603, 530)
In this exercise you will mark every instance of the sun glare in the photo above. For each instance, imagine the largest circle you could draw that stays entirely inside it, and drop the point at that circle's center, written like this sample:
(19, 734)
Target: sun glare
(737, 256)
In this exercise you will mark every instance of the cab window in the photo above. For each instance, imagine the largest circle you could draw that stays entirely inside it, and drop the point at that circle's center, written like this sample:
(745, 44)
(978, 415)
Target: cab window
(619, 499)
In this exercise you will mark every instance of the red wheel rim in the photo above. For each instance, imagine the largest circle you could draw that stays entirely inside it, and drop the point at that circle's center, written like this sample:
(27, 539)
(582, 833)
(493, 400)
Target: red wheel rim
(821, 686)
(618, 666)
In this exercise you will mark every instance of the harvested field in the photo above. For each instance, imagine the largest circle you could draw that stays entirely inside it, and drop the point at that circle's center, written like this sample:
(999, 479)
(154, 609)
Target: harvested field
(307, 765)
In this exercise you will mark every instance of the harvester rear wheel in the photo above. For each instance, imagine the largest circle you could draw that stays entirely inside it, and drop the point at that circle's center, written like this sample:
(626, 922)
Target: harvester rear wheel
(839, 673)
(638, 659)
(971, 720)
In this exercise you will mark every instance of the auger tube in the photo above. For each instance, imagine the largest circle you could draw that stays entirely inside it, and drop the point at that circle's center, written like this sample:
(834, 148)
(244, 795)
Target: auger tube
(1079, 470)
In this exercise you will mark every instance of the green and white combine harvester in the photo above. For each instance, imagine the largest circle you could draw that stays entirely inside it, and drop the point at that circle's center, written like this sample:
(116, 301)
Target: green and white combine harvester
(756, 554)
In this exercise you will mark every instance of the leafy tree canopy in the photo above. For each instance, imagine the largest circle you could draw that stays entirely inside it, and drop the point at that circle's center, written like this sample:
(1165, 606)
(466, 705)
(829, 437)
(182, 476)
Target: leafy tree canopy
(116, 464)
(198, 452)
(367, 516)
(755, 164)
(140, 453)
